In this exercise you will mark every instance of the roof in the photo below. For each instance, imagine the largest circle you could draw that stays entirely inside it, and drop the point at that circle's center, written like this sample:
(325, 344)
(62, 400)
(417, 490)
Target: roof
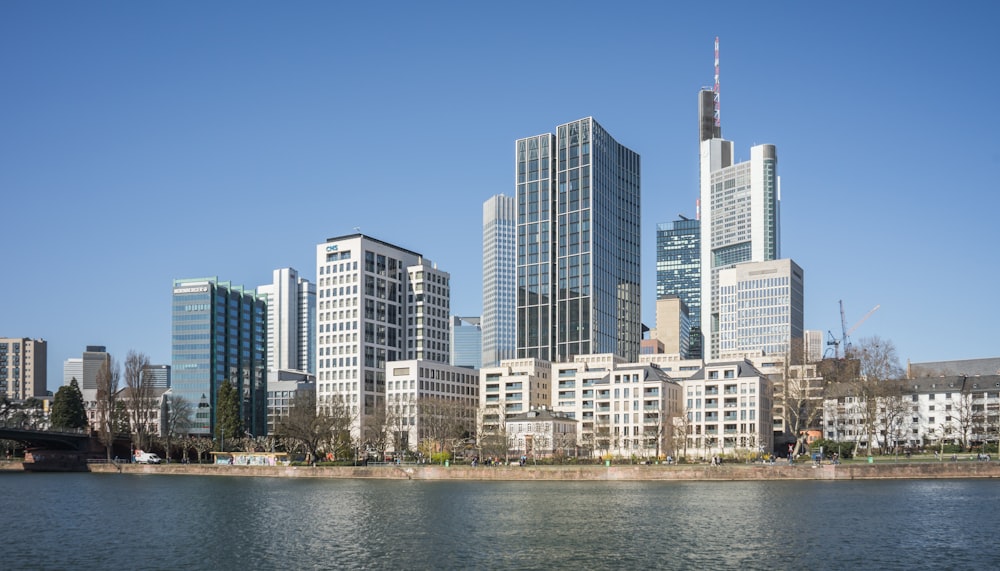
(744, 369)
(539, 415)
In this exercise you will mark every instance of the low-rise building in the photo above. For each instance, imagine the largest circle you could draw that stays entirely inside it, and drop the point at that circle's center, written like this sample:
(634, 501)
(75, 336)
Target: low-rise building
(542, 433)
(728, 410)
(429, 406)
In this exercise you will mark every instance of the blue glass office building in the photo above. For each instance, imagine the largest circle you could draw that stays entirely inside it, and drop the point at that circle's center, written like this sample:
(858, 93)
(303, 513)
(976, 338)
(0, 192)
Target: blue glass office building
(578, 263)
(218, 333)
(678, 272)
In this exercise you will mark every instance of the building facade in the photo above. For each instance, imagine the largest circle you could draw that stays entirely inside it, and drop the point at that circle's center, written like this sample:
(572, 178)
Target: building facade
(678, 273)
(513, 387)
(429, 405)
(727, 411)
(219, 333)
(578, 255)
(23, 367)
(673, 326)
(376, 303)
(291, 319)
(760, 309)
(499, 331)
(466, 342)
(158, 376)
(542, 433)
(282, 391)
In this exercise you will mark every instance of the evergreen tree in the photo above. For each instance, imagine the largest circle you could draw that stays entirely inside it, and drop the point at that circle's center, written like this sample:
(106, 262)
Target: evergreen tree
(67, 407)
(228, 421)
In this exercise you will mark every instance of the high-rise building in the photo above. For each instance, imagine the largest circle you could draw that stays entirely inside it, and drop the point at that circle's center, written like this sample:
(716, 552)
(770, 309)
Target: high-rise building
(466, 342)
(291, 318)
(499, 280)
(219, 334)
(578, 264)
(23, 367)
(159, 376)
(760, 309)
(814, 347)
(673, 325)
(376, 303)
(73, 369)
(94, 358)
(739, 213)
(678, 272)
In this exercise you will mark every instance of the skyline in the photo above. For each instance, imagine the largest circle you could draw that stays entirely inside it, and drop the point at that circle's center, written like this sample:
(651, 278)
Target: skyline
(125, 128)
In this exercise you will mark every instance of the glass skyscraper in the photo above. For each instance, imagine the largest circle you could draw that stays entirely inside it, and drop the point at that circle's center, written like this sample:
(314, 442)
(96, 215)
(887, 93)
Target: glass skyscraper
(678, 272)
(578, 266)
(499, 279)
(466, 342)
(219, 333)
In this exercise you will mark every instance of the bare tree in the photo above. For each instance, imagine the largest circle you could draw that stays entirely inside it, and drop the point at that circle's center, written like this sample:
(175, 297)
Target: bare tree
(140, 401)
(967, 417)
(877, 365)
(308, 425)
(177, 421)
(376, 430)
(491, 431)
(442, 421)
(108, 380)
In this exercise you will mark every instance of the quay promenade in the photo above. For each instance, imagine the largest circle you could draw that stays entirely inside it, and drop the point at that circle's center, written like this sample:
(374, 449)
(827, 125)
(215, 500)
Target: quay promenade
(881, 469)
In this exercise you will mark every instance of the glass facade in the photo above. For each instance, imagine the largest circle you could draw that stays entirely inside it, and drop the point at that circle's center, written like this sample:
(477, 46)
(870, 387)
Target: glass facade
(678, 272)
(499, 331)
(219, 333)
(578, 244)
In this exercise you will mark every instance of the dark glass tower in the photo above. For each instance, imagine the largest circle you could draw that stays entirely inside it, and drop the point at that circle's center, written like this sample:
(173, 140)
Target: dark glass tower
(578, 264)
(678, 272)
(219, 332)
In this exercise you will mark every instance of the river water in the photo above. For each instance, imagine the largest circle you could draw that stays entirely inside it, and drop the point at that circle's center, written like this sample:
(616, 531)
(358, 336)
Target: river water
(121, 521)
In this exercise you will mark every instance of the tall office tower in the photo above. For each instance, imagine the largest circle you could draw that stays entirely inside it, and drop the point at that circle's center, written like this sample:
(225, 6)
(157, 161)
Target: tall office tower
(159, 376)
(73, 369)
(739, 209)
(291, 318)
(93, 359)
(813, 345)
(219, 333)
(760, 309)
(466, 342)
(376, 303)
(23, 367)
(678, 272)
(578, 244)
(499, 279)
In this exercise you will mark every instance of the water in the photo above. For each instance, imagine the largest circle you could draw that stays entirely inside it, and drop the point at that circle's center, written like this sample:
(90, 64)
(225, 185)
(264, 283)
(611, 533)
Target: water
(120, 521)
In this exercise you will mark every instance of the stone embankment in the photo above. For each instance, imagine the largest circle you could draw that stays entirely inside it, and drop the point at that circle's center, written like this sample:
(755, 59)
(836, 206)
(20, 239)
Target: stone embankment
(699, 472)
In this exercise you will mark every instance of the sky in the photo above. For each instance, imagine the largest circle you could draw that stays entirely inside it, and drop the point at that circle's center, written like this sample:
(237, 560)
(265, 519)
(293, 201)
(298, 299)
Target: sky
(142, 142)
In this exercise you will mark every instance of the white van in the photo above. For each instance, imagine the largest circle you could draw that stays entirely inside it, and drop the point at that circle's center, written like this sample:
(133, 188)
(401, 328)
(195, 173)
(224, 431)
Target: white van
(146, 458)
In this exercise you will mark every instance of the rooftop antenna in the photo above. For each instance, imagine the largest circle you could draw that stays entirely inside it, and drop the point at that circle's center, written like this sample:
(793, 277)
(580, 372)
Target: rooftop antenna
(715, 89)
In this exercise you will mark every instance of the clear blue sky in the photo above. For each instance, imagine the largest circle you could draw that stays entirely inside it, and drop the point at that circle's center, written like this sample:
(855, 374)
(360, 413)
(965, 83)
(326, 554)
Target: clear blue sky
(142, 142)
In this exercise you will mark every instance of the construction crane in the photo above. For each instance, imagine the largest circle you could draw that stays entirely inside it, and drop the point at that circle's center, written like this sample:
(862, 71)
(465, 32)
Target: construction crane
(844, 340)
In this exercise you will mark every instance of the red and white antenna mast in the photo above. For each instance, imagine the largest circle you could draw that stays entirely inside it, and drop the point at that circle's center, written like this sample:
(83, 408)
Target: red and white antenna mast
(715, 89)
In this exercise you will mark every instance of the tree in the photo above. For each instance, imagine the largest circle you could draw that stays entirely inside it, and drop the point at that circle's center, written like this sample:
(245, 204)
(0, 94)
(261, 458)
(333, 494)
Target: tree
(177, 421)
(140, 401)
(67, 407)
(308, 425)
(492, 436)
(442, 422)
(108, 378)
(376, 431)
(228, 419)
(877, 365)
(798, 397)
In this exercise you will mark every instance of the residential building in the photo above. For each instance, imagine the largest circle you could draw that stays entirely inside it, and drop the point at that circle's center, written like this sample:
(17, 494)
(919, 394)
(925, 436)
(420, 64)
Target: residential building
(466, 342)
(291, 320)
(23, 367)
(542, 433)
(578, 264)
(429, 405)
(513, 387)
(499, 331)
(219, 334)
(376, 303)
(760, 309)
(739, 212)
(678, 273)
(728, 410)
(961, 367)
(282, 392)
(624, 409)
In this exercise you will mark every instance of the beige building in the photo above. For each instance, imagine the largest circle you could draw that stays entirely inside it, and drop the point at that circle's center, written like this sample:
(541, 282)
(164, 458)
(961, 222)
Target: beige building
(542, 433)
(728, 411)
(673, 325)
(429, 405)
(23, 372)
(516, 386)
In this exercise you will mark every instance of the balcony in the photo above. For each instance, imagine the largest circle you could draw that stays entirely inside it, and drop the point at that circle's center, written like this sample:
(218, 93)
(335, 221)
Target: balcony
(567, 384)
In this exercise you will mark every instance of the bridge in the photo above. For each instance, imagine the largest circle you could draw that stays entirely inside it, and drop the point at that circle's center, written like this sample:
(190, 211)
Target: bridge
(62, 439)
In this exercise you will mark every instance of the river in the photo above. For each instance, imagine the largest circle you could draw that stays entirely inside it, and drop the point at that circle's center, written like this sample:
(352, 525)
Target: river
(122, 521)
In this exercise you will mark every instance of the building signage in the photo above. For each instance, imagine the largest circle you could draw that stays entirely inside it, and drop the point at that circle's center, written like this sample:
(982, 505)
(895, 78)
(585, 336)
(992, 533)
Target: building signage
(196, 289)
(331, 248)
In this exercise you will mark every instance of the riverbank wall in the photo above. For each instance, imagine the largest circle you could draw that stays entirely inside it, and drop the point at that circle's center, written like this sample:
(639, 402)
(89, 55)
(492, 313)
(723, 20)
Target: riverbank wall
(887, 470)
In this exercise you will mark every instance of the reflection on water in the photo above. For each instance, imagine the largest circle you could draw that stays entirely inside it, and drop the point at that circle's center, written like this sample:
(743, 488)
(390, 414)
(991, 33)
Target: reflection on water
(103, 521)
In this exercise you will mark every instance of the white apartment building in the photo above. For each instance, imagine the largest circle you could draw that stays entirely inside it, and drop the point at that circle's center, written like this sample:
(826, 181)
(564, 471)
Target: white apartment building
(542, 433)
(513, 387)
(727, 410)
(376, 303)
(760, 309)
(429, 404)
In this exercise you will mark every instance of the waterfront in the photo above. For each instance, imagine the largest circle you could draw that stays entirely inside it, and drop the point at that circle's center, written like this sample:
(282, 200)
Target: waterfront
(102, 521)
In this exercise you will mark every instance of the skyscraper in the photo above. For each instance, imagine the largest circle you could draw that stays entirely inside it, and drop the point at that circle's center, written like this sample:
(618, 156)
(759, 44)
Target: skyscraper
(760, 309)
(499, 329)
(291, 318)
(678, 272)
(739, 213)
(578, 261)
(376, 303)
(219, 334)
(23, 367)
(466, 342)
